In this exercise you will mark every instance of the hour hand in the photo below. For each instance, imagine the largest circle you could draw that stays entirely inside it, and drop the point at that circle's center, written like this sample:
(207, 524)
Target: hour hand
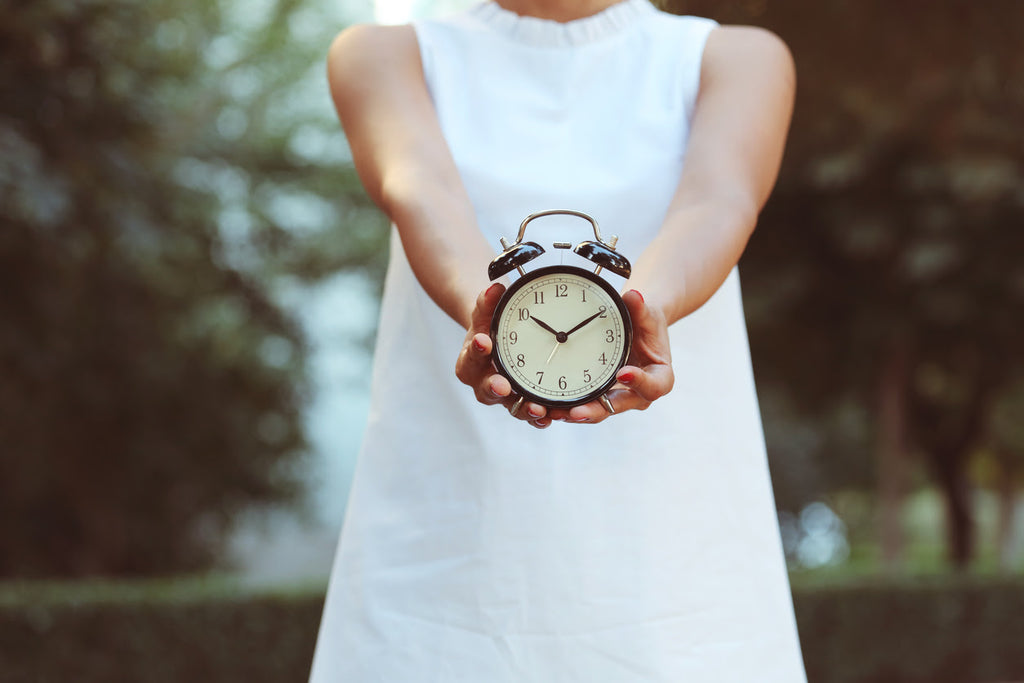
(544, 325)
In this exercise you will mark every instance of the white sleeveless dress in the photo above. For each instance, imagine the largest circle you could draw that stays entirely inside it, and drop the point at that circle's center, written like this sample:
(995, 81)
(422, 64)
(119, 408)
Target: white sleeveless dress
(476, 549)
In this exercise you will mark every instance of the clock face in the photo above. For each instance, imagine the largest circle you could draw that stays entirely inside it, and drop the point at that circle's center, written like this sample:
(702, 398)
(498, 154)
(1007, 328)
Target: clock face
(560, 334)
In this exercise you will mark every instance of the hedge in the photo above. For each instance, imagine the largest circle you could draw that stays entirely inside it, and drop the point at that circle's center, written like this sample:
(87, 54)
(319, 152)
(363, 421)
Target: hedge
(938, 631)
(198, 634)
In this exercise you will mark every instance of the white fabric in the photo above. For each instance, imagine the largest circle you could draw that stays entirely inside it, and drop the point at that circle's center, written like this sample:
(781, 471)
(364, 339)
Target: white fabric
(476, 549)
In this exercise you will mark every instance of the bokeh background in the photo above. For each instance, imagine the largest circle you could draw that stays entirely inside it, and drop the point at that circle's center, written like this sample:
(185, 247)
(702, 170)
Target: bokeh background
(189, 275)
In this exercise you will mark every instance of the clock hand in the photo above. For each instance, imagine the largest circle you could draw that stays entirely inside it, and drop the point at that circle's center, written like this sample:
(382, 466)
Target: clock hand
(548, 361)
(585, 322)
(544, 325)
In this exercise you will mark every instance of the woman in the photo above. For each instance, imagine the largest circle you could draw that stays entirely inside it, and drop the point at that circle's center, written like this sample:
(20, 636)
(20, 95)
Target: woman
(644, 547)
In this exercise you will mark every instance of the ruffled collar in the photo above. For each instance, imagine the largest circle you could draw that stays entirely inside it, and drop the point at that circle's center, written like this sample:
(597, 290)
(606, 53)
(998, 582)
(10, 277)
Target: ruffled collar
(546, 32)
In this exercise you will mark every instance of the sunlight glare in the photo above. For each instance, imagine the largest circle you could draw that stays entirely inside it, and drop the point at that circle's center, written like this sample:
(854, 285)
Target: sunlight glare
(393, 11)
(402, 11)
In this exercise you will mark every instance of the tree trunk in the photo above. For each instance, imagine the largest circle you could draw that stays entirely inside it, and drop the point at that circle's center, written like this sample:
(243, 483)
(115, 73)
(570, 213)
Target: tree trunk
(950, 428)
(952, 478)
(1007, 491)
(893, 466)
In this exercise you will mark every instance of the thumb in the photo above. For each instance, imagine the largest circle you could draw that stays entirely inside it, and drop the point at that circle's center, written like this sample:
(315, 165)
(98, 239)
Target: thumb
(639, 313)
(484, 309)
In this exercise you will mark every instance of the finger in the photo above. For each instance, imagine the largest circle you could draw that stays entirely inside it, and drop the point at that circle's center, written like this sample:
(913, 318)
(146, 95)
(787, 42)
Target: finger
(528, 411)
(535, 411)
(591, 413)
(531, 413)
(494, 389)
(557, 414)
(650, 383)
(622, 400)
(474, 362)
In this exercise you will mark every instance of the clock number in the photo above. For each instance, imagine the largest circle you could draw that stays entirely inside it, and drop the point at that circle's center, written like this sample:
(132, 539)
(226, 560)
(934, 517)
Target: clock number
(602, 360)
(538, 298)
(520, 360)
(562, 383)
(611, 336)
(561, 291)
(586, 376)
(604, 312)
(540, 377)
(513, 337)
(524, 314)
(584, 295)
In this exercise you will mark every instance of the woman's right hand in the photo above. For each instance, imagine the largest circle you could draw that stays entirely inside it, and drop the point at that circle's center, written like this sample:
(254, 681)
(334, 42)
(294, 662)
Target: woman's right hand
(475, 369)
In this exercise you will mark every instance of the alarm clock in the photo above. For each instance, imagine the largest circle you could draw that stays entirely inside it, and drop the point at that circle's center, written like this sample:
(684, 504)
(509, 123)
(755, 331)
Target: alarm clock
(560, 332)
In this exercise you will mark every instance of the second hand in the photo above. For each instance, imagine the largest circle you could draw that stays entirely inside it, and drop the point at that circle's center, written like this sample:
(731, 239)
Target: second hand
(548, 362)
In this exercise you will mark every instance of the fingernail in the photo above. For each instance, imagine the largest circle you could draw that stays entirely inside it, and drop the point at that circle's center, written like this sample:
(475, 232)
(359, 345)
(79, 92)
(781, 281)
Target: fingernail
(626, 378)
(491, 289)
(578, 420)
(536, 412)
(478, 346)
(638, 294)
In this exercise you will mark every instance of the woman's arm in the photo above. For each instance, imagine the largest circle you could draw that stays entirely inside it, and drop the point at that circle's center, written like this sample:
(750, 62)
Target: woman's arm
(736, 141)
(404, 163)
(732, 159)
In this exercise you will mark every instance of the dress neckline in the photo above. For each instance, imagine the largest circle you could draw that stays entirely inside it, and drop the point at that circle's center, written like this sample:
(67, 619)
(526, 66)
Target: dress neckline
(550, 33)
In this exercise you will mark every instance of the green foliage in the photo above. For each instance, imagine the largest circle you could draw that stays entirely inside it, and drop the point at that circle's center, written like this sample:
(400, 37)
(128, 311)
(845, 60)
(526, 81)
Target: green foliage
(161, 172)
(894, 232)
(942, 630)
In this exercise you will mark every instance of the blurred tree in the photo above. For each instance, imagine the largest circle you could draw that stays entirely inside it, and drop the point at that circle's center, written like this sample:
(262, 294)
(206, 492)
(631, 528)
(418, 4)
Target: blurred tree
(1003, 463)
(886, 274)
(164, 172)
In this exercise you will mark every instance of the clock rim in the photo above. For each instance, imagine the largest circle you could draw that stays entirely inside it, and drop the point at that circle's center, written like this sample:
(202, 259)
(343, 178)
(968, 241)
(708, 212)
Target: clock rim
(537, 274)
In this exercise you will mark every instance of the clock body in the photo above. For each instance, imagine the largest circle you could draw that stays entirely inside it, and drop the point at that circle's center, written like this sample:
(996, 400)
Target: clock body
(560, 334)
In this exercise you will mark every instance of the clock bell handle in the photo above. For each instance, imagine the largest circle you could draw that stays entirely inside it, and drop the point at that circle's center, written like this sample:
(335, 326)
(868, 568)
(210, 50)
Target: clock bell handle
(560, 212)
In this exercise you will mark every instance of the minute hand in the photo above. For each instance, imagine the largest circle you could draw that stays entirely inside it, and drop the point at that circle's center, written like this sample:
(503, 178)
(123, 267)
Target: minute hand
(584, 322)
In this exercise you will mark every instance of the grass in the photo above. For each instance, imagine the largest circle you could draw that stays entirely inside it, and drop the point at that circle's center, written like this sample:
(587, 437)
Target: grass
(161, 590)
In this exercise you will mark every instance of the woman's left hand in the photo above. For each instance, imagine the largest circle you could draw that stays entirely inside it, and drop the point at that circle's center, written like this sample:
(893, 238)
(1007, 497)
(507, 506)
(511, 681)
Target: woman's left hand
(647, 375)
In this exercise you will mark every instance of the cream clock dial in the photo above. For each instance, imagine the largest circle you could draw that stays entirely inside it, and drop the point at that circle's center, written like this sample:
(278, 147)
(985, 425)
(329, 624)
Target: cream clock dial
(560, 334)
